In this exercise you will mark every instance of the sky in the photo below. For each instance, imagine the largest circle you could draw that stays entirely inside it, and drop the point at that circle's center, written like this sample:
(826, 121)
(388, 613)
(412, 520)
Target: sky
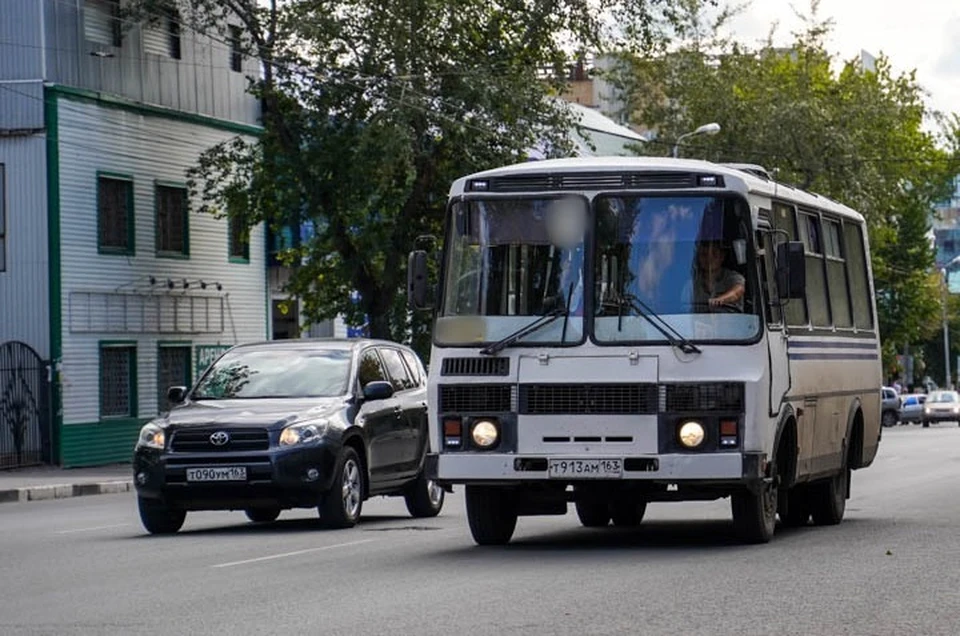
(913, 34)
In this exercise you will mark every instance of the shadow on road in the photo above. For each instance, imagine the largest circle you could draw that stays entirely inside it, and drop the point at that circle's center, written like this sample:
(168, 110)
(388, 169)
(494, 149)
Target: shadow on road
(373, 523)
(654, 536)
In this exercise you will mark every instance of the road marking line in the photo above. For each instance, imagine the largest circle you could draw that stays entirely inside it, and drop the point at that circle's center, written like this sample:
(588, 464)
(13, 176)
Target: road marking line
(288, 554)
(116, 525)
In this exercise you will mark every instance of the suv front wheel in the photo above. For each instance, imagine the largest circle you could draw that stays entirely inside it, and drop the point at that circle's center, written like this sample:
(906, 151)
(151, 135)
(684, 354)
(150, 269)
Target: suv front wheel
(159, 518)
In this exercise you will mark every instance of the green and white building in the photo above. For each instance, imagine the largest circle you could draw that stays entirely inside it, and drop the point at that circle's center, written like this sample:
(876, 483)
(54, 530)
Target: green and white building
(108, 274)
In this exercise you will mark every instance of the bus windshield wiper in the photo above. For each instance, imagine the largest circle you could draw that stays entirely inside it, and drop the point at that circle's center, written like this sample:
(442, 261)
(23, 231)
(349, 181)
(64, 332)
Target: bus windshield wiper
(643, 310)
(539, 323)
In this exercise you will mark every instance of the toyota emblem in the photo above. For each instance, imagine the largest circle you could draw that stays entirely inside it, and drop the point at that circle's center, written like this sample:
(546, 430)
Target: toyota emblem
(219, 438)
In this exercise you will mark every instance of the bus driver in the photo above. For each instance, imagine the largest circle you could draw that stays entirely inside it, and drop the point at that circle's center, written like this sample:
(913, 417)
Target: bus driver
(715, 286)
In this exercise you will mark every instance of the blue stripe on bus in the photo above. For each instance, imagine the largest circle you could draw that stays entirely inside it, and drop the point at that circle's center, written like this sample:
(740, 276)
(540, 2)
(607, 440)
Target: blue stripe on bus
(832, 356)
(821, 344)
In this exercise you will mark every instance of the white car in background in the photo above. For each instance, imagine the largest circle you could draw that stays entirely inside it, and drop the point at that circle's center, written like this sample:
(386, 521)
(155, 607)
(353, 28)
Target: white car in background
(941, 406)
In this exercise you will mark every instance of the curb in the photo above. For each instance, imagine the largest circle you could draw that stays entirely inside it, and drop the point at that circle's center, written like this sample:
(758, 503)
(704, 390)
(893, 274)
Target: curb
(64, 491)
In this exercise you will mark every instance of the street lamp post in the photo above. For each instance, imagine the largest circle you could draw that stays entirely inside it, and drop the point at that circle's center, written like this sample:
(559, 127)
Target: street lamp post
(707, 129)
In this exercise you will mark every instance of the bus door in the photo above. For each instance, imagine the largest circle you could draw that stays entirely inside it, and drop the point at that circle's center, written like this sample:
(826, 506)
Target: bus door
(778, 362)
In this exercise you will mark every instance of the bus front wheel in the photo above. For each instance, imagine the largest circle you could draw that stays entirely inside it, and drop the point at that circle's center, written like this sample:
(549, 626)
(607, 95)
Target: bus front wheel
(491, 514)
(755, 512)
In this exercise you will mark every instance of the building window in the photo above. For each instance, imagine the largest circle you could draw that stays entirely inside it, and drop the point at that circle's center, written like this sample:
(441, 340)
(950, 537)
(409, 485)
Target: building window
(115, 214)
(173, 33)
(239, 240)
(118, 379)
(172, 221)
(3, 219)
(101, 22)
(236, 55)
(173, 369)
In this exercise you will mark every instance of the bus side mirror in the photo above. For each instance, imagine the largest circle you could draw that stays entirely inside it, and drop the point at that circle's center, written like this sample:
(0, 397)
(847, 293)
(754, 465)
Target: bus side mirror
(791, 270)
(417, 280)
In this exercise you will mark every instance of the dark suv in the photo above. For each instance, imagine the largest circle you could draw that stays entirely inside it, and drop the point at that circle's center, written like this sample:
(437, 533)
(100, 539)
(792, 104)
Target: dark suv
(290, 424)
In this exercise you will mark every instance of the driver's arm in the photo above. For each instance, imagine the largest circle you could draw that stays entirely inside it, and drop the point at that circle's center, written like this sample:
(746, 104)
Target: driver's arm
(736, 288)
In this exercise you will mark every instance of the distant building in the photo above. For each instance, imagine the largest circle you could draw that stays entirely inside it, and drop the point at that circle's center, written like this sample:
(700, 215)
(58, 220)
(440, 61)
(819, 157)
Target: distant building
(603, 130)
(110, 281)
(946, 233)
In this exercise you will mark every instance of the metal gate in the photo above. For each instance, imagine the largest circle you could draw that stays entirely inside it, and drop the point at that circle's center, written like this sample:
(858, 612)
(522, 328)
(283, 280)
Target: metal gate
(25, 423)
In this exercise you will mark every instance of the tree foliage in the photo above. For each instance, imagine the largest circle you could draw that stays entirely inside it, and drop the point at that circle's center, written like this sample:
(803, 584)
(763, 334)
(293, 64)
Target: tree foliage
(852, 133)
(372, 109)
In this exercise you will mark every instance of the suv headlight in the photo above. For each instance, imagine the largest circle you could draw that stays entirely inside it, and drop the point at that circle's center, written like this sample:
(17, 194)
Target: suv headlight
(303, 433)
(151, 436)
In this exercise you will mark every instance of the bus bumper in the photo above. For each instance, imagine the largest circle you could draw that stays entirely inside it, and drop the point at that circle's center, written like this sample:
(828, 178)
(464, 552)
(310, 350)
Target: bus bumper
(492, 469)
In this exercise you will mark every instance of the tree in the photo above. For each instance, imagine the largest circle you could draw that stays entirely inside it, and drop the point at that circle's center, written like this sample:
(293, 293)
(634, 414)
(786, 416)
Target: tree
(372, 109)
(852, 133)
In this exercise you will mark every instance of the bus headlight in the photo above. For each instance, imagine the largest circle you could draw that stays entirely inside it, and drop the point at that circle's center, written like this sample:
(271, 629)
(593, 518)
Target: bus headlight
(692, 434)
(485, 433)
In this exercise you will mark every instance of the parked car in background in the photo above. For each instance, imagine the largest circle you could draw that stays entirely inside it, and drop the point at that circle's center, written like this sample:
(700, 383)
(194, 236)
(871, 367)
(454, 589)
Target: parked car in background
(941, 406)
(290, 424)
(890, 406)
(911, 408)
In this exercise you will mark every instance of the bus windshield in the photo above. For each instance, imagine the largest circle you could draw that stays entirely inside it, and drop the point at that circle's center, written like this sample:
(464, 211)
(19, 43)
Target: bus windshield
(680, 258)
(509, 260)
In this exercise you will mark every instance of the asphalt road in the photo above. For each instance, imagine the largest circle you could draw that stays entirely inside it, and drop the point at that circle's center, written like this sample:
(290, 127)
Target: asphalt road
(85, 566)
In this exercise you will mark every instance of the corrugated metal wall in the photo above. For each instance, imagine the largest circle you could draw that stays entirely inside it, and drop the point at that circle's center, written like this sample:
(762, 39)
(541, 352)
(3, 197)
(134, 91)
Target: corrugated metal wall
(200, 82)
(147, 148)
(24, 284)
(21, 65)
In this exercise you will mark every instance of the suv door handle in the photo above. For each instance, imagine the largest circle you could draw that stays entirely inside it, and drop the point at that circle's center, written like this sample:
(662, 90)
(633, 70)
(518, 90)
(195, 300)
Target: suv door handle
(397, 408)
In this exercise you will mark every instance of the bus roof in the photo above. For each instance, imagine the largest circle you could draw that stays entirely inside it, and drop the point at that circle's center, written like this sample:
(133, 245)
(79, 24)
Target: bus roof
(745, 178)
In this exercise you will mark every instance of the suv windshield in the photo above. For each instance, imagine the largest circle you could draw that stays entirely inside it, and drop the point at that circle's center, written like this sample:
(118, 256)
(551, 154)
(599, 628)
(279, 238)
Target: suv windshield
(276, 373)
(683, 259)
(509, 260)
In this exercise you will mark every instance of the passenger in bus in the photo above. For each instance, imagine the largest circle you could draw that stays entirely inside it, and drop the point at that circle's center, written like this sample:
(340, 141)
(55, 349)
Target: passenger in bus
(716, 287)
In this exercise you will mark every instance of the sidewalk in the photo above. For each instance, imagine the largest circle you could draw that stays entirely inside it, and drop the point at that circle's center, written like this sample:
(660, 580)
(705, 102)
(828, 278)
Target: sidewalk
(51, 482)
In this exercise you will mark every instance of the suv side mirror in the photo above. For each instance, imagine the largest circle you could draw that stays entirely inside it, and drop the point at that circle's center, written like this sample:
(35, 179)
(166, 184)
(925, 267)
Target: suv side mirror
(377, 390)
(177, 394)
(791, 270)
(417, 279)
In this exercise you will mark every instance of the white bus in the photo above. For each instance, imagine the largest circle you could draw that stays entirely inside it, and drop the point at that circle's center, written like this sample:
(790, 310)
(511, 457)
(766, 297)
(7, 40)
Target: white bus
(611, 332)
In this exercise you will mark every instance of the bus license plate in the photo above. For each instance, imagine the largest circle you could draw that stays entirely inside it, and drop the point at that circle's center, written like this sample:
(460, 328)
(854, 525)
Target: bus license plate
(585, 468)
(219, 473)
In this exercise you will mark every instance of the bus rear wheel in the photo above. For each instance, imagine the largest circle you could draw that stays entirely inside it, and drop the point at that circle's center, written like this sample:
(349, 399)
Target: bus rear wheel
(627, 514)
(593, 513)
(828, 500)
(491, 514)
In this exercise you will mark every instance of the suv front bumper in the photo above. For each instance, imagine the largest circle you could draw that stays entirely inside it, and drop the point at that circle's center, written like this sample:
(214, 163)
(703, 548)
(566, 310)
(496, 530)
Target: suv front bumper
(277, 477)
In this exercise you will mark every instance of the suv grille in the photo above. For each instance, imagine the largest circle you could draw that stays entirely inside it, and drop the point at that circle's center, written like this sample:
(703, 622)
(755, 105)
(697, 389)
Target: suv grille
(579, 399)
(712, 396)
(241, 439)
(475, 398)
(475, 366)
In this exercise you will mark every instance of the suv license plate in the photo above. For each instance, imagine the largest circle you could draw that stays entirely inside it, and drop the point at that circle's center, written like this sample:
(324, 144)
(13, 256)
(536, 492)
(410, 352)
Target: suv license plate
(585, 468)
(220, 473)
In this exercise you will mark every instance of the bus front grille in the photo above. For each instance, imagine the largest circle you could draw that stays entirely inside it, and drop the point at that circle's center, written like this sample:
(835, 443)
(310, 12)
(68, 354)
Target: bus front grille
(476, 398)
(708, 396)
(588, 399)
